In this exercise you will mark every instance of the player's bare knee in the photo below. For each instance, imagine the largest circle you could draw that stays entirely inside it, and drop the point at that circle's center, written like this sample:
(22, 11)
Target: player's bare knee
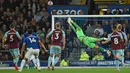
(115, 56)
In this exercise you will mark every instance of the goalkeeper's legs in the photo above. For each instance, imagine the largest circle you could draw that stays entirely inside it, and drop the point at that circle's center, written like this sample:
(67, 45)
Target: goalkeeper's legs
(89, 42)
(93, 40)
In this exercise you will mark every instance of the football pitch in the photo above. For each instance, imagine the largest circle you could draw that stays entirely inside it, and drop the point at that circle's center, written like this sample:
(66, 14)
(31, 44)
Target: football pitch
(70, 70)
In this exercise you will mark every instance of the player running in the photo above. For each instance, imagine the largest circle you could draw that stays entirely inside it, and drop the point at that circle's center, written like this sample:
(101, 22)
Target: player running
(12, 38)
(57, 44)
(116, 39)
(88, 41)
(124, 42)
(32, 43)
(25, 35)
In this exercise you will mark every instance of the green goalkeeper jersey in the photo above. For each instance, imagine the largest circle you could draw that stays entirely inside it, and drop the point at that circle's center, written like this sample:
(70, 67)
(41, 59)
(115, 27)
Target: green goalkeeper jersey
(80, 34)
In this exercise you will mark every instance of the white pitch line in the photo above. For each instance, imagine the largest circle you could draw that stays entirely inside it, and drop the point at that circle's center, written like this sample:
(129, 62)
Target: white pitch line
(65, 67)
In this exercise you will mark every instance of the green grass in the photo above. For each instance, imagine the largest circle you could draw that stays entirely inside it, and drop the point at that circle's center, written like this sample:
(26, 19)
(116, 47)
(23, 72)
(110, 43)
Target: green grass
(71, 70)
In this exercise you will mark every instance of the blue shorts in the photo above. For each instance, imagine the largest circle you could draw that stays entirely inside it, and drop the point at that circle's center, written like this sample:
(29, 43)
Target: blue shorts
(14, 52)
(55, 50)
(117, 52)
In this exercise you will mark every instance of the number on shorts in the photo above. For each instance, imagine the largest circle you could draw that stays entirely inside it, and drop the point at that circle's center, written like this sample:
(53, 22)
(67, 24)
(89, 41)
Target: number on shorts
(57, 36)
(116, 41)
(11, 38)
(32, 40)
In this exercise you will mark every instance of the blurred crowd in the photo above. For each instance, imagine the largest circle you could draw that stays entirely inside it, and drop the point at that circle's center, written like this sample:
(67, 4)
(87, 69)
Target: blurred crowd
(23, 13)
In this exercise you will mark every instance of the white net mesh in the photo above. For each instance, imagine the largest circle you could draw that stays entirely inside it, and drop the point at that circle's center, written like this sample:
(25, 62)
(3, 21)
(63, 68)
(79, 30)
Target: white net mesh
(97, 26)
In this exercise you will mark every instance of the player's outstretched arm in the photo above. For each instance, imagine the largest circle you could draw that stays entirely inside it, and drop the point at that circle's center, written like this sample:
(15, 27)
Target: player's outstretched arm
(47, 39)
(69, 21)
(105, 42)
(22, 50)
(19, 37)
(74, 23)
(48, 35)
(3, 41)
(42, 45)
(63, 39)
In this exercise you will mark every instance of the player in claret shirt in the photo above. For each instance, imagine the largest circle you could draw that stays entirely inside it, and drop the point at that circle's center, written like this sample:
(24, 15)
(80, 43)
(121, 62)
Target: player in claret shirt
(57, 44)
(12, 38)
(124, 42)
(116, 38)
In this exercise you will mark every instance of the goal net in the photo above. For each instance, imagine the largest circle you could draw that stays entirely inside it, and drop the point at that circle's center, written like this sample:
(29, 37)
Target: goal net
(96, 26)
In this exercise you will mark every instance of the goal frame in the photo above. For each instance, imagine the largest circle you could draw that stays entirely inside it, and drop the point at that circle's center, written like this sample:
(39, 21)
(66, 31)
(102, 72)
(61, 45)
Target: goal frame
(88, 16)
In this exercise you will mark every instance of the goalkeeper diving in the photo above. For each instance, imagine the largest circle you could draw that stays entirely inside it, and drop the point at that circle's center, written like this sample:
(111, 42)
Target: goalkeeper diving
(88, 41)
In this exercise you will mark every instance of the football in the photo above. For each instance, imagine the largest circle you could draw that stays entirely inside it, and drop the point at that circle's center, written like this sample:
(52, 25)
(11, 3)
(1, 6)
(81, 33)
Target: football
(50, 3)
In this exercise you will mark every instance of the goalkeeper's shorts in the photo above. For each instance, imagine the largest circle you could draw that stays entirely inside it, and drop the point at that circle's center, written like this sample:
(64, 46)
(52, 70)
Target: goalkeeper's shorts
(89, 41)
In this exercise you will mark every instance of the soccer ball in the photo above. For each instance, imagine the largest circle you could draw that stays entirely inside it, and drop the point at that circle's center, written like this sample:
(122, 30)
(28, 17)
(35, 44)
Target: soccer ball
(50, 3)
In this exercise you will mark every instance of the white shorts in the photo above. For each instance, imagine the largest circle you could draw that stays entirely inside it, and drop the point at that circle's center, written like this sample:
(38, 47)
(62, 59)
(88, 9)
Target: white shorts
(32, 57)
(31, 51)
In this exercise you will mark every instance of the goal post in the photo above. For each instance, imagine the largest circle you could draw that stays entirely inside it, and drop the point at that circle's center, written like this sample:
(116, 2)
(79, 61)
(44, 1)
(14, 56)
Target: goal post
(89, 31)
(87, 16)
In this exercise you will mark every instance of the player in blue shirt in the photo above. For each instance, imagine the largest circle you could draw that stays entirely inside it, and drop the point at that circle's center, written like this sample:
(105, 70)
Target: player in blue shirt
(25, 35)
(32, 43)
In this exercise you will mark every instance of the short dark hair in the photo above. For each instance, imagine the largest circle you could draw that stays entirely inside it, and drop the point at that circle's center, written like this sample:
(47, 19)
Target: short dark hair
(12, 26)
(30, 31)
(29, 27)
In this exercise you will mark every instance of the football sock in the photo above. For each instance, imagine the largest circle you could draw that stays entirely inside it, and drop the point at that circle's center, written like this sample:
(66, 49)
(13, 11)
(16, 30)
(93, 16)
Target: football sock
(22, 64)
(38, 62)
(117, 64)
(49, 61)
(17, 59)
(34, 61)
(56, 60)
